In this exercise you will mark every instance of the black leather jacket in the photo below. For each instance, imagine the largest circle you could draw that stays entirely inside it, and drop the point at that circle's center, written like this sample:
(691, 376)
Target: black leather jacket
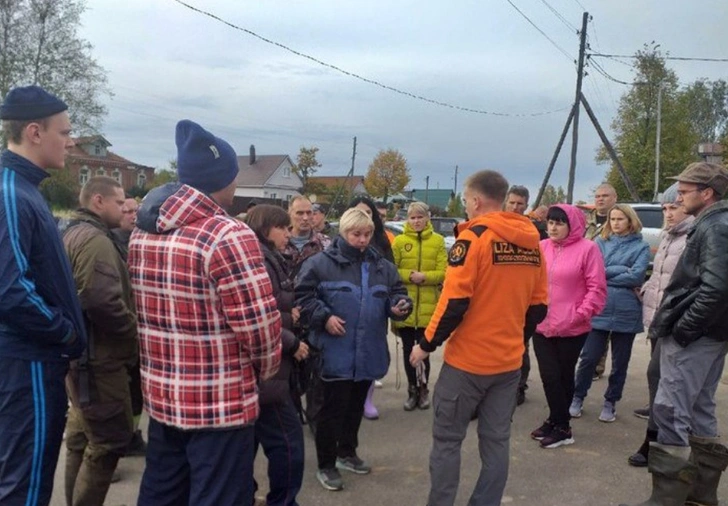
(695, 303)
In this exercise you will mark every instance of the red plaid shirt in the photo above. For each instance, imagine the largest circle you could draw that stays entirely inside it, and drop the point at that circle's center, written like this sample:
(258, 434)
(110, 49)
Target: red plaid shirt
(209, 329)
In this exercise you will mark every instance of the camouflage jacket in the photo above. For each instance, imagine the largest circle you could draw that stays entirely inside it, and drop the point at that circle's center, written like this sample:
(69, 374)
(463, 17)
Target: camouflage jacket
(316, 244)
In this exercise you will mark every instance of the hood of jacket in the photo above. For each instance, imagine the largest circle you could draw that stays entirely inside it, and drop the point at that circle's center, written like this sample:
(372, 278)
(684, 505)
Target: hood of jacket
(577, 223)
(343, 253)
(174, 205)
(512, 227)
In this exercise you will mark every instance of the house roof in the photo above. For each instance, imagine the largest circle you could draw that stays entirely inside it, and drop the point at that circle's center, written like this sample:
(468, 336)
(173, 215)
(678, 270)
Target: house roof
(261, 171)
(332, 182)
(77, 155)
(91, 139)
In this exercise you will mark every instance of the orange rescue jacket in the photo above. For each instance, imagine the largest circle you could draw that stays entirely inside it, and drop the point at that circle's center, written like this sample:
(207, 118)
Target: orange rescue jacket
(496, 275)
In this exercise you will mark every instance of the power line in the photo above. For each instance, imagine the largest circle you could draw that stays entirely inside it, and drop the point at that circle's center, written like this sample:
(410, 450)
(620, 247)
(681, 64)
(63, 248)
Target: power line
(603, 72)
(678, 58)
(563, 51)
(558, 15)
(364, 79)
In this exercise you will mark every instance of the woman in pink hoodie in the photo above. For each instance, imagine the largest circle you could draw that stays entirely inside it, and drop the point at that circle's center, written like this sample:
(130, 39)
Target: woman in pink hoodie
(577, 291)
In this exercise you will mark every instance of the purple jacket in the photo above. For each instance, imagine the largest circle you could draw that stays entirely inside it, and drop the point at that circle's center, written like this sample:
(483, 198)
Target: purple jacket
(576, 280)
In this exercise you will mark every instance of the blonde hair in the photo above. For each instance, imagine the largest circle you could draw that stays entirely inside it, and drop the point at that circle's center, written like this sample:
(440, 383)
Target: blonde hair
(354, 218)
(635, 225)
(418, 207)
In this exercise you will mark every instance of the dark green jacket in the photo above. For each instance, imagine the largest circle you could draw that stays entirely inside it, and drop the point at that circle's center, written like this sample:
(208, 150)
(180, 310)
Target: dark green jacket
(104, 289)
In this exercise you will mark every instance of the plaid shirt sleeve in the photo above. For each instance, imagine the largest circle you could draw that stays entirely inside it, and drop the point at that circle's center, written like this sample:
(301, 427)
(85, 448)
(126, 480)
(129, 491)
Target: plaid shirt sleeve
(242, 283)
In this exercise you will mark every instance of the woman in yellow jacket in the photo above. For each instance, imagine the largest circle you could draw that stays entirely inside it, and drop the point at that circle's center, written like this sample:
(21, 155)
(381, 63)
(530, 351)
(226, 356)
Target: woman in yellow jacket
(421, 258)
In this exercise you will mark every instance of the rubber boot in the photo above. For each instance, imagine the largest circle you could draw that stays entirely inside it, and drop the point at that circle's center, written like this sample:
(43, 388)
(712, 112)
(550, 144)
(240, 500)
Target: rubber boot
(672, 476)
(74, 458)
(370, 410)
(641, 457)
(423, 400)
(711, 457)
(412, 398)
(94, 478)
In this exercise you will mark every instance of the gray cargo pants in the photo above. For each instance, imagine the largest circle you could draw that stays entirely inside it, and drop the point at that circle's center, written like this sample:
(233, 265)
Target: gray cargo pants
(685, 401)
(458, 397)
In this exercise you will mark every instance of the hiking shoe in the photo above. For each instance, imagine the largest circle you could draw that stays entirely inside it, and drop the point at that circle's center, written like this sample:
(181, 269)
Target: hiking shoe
(353, 465)
(330, 479)
(643, 413)
(423, 399)
(576, 407)
(413, 397)
(609, 412)
(542, 431)
(559, 436)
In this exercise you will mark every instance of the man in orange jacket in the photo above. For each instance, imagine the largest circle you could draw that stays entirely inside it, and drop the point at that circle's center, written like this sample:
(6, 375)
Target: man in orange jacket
(495, 290)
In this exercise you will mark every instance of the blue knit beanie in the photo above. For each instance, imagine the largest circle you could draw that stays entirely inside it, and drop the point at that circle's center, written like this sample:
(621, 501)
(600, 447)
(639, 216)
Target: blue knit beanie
(204, 161)
(29, 103)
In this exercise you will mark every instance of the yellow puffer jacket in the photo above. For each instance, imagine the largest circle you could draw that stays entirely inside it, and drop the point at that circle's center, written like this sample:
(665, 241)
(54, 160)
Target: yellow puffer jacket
(424, 252)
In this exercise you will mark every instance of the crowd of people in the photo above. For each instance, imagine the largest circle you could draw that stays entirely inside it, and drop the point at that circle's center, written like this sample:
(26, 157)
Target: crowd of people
(217, 326)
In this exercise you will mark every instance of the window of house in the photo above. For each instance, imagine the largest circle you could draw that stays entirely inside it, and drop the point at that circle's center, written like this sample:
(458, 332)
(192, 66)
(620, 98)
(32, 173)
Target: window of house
(116, 175)
(100, 171)
(141, 180)
(289, 197)
(83, 175)
(286, 172)
(97, 149)
(274, 196)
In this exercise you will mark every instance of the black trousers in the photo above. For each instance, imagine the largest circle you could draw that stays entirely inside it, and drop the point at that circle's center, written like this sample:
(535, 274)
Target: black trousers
(337, 428)
(526, 366)
(411, 336)
(557, 357)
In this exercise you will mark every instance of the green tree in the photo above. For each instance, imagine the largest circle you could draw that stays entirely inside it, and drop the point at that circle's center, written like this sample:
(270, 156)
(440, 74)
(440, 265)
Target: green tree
(455, 207)
(388, 174)
(61, 190)
(707, 103)
(306, 166)
(39, 44)
(635, 127)
(553, 196)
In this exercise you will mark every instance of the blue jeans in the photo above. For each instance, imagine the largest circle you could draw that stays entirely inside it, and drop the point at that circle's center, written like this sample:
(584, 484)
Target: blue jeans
(278, 430)
(594, 348)
(198, 467)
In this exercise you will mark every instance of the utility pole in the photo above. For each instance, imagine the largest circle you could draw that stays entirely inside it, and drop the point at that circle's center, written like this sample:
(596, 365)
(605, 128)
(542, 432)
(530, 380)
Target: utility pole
(341, 187)
(455, 186)
(657, 142)
(427, 189)
(575, 121)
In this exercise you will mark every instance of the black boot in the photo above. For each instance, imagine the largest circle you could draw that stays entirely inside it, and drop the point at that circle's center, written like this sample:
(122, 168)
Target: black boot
(672, 477)
(641, 457)
(711, 458)
(413, 396)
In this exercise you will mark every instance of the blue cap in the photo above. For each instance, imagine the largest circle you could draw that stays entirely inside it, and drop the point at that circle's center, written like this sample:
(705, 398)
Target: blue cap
(204, 161)
(29, 103)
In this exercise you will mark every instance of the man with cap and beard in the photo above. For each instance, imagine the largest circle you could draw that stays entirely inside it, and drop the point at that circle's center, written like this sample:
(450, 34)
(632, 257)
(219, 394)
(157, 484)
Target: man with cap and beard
(41, 326)
(209, 329)
(688, 459)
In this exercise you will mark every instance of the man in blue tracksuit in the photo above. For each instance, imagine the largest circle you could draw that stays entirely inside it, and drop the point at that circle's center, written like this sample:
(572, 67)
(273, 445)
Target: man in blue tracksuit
(41, 326)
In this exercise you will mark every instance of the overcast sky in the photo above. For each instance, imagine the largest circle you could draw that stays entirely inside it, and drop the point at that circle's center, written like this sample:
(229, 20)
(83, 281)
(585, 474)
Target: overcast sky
(166, 62)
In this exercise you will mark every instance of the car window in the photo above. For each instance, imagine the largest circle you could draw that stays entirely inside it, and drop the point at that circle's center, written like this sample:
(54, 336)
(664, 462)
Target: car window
(650, 217)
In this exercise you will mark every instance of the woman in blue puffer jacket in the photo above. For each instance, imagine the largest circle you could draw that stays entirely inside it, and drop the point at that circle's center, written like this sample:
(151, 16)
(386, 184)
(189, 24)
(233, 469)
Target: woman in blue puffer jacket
(626, 257)
(346, 293)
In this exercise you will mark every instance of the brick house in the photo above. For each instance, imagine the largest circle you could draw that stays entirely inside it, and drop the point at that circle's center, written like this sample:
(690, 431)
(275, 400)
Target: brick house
(91, 157)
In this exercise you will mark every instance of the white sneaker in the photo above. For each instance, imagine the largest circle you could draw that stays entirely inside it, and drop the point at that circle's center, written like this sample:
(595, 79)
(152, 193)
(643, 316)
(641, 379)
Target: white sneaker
(576, 407)
(378, 384)
(609, 412)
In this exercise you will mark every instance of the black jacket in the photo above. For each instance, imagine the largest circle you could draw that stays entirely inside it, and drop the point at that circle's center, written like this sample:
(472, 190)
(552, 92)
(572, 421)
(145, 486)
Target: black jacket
(696, 299)
(277, 388)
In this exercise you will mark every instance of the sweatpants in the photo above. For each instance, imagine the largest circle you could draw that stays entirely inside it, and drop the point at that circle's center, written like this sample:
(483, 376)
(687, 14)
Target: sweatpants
(459, 396)
(33, 406)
